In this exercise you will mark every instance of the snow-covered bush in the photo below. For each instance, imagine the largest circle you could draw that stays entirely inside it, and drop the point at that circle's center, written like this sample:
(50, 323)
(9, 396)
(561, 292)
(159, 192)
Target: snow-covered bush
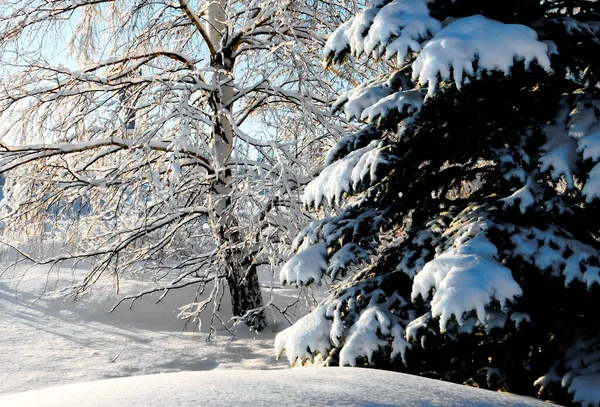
(467, 230)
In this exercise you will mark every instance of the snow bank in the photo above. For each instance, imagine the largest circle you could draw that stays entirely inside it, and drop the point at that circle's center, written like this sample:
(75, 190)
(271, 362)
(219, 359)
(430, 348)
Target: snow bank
(296, 387)
(49, 341)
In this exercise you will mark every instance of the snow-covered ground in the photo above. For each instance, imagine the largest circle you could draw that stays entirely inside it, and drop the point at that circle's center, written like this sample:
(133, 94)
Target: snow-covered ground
(296, 387)
(47, 341)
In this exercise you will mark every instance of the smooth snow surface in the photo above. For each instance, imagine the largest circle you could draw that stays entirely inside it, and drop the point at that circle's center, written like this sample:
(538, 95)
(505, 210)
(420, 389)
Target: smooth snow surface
(90, 354)
(295, 387)
(47, 340)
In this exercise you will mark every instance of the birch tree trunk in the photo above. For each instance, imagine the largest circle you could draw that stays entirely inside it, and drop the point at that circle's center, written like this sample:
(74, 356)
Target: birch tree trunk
(236, 255)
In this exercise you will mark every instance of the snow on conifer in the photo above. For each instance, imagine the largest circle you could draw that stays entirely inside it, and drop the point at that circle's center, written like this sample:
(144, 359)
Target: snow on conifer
(306, 266)
(476, 40)
(385, 29)
(471, 212)
(463, 279)
(346, 174)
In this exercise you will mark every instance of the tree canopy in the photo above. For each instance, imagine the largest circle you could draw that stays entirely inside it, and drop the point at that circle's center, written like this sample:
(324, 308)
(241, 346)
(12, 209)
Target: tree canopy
(175, 146)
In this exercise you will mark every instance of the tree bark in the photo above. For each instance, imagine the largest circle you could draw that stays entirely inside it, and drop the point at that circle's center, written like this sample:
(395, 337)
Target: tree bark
(246, 295)
(242, 276)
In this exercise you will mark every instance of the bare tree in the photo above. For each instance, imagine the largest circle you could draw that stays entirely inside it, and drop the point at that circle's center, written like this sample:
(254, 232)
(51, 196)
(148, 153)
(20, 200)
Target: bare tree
(178, 145)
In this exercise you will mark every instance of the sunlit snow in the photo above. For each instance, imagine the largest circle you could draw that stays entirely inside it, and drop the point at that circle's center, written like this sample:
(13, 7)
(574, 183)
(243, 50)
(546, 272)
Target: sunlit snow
(495, 46)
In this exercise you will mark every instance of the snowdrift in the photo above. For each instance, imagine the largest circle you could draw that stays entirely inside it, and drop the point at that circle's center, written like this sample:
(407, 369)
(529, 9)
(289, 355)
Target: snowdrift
(292, 387)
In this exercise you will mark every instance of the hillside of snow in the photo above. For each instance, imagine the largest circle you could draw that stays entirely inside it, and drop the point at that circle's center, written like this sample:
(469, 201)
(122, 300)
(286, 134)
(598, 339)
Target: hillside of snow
(50, 340)
(292, 387)
(56, 352)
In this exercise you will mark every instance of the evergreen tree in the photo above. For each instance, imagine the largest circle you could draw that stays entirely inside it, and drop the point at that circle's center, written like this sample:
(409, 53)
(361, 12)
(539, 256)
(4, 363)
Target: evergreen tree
(464, 237)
